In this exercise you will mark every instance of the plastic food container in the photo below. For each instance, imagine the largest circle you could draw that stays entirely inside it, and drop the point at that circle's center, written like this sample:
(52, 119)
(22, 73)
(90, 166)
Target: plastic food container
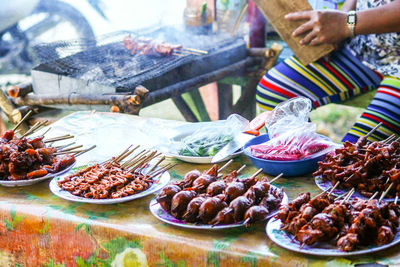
(288, 168)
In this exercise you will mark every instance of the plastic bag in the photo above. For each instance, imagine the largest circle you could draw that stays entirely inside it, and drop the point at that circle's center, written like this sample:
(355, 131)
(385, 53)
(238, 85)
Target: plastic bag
(292, 137)
(205, 138)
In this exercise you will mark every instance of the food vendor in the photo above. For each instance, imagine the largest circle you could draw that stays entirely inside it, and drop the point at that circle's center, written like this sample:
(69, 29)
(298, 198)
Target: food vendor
(366, 34)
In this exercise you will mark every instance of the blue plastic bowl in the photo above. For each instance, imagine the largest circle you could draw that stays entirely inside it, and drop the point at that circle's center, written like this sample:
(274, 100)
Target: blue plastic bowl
(288, 168)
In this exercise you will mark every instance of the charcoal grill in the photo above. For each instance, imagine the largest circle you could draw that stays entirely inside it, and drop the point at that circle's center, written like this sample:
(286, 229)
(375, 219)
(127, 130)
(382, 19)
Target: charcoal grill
(110, 68)
(101, 75)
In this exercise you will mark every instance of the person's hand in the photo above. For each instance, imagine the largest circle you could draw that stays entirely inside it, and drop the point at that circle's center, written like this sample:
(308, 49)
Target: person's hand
(321, 26)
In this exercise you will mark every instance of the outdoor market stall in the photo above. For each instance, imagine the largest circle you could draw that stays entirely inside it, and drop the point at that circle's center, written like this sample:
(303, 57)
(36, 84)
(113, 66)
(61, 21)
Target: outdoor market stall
(38, 228)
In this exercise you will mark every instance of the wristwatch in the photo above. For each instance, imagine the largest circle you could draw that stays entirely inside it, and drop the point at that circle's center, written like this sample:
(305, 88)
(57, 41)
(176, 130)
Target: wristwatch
(351, 22)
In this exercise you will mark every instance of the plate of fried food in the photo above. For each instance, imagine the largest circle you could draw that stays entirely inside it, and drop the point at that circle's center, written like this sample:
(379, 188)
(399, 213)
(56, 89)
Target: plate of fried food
(213, 201)
(371, 168)
(325, 226)
(29, 160)
(119, 179)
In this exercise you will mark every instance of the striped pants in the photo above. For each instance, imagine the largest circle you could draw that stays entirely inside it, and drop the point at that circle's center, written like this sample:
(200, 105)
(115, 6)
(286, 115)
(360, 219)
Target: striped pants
(339, 79)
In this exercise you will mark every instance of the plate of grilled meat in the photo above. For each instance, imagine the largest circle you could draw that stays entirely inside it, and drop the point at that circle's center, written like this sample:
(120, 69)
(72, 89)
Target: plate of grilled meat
(326, 226)
(368, 167)
(210, 200)
(29, 160)
(119, 179)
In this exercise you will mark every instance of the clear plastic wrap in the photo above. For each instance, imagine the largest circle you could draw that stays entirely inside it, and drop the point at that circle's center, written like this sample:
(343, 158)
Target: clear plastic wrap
(206, 138)
(292, 136)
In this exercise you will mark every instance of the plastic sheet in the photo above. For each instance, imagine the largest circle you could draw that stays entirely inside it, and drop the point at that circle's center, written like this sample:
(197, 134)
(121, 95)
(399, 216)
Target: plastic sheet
(206, 138)
(293, 137)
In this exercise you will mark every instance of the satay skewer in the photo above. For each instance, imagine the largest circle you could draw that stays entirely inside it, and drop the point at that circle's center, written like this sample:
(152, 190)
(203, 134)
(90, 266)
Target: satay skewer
(144, 164)
(143, 161)
(241, 169)
(330, 191)
(123, 153)
(31, 129)
(256, 173)
(69, 149)
(276, 178)
(385, 192)
(195, 50)
(225, 165)
(374, 195)
(45, 132)
(164, 169)
(373, 130)
(134, 159)
(389, 139)
(84, 151)
(64, 146)
(58, 138)
(126, 154)
(157, 163)
(22, 120)
(349, 194)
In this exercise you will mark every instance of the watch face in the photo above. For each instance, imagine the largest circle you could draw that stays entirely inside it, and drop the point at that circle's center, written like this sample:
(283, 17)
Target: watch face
(352, 19)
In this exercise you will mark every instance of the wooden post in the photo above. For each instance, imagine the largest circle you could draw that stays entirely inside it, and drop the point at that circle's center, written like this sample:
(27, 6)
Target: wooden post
(12, 114)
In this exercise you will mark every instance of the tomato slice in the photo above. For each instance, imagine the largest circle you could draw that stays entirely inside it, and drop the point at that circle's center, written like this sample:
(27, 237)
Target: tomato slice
(257, 123)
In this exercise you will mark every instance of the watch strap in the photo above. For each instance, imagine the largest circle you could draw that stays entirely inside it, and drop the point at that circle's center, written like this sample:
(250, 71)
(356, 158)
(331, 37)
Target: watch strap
(351, 22)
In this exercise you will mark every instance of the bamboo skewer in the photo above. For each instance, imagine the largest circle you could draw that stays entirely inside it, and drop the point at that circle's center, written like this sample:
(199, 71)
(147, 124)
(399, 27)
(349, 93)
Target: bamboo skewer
(155, 165)
(195, 50)
(241, 169)
(373, 196)
(143, 161)
(373, 130)
(164, 169)
(150, 158)
(126, 154)
(58, 138)
(22, 120)
(349, 194)
(64, 146)
(225, 165)
(385, 192)
(334, 187)
(245, 222)
(123, 153)
(276, 178)
(178, 55)
(84, 151)
(31, 129)
(256, 173)
(48, 129)
(69, 149)
(134, 159)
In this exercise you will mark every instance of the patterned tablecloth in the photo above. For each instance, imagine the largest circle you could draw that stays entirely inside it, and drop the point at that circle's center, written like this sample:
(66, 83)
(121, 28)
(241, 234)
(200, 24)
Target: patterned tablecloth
(39, 229)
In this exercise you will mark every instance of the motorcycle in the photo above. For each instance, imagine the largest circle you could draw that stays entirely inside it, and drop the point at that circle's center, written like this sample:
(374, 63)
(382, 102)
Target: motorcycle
(25, 23)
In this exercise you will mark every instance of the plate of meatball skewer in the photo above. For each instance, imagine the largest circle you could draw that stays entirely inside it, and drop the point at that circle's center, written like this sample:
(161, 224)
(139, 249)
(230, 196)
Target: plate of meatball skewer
(29, 160)
(368, 167)
(326, 226)
(212, 201)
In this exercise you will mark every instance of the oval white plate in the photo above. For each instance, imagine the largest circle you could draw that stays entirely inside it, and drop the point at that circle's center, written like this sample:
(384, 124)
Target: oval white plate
(158, 184)
(164, 216)
(287, 241)
(27, 182)
(181, 132)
